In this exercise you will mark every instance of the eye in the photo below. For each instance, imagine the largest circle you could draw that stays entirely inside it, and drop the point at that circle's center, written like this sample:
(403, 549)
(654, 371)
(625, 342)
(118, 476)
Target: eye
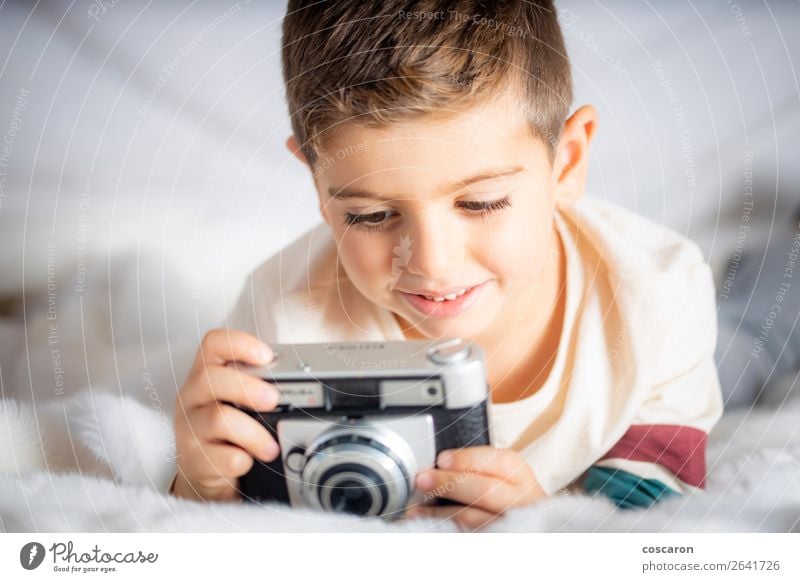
(371, 221)
(486, 208)
(377, 221)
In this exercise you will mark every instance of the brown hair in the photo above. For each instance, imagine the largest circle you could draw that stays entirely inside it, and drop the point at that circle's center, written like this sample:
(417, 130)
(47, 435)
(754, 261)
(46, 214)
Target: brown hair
(374, 63)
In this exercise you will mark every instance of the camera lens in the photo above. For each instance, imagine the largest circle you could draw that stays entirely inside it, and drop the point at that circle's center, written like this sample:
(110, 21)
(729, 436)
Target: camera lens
(351, 497)
(353, 489)
(360, 469)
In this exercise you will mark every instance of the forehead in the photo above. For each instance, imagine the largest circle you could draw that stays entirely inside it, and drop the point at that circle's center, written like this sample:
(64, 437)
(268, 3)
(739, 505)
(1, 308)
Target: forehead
(449, 145)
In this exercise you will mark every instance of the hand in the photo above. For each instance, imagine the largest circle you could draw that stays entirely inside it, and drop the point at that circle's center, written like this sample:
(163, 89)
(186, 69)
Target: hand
(486, 480)
(216, 442)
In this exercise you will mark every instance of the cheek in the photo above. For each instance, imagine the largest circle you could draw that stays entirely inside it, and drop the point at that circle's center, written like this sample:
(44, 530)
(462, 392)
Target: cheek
(516, 249)
(364, 258)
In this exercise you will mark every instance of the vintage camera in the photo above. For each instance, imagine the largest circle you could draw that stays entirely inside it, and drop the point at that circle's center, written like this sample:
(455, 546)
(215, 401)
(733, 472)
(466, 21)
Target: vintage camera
(357, 421)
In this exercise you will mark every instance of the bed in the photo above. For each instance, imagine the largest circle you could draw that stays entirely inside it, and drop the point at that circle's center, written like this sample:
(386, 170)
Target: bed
(148, 175)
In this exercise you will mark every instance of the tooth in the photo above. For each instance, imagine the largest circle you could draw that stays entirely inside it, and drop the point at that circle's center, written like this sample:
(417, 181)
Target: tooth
(448, 297)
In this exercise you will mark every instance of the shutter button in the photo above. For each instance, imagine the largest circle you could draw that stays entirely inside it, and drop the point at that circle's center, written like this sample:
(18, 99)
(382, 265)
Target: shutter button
(449, 351)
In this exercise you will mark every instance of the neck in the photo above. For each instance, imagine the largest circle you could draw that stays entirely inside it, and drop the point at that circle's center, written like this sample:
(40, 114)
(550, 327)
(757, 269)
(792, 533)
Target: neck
(518, 362)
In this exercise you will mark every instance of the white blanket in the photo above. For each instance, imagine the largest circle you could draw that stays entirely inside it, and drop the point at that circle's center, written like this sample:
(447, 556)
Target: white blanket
(100, 462)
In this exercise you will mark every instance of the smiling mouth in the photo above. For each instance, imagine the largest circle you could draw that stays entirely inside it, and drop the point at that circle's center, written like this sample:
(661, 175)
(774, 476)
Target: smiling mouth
(449, 305)
(447, 297)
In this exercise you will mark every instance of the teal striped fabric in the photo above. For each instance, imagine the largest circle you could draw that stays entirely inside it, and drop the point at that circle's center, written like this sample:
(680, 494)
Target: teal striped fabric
(626, 490)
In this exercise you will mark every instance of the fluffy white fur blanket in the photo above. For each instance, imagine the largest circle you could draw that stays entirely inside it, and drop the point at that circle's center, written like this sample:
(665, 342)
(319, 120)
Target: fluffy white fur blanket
(101, 462)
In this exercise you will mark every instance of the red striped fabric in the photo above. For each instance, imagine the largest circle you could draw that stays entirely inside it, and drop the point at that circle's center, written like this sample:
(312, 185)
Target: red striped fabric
(680, 449)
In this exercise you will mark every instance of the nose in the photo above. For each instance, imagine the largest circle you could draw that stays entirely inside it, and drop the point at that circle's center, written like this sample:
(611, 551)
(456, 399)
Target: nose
(437, 248)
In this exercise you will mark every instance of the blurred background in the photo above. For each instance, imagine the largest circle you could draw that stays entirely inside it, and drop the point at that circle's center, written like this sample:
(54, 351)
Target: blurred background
(143, 171)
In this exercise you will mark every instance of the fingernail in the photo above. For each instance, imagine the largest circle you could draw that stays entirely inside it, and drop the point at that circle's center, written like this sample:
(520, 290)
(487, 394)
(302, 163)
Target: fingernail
(268, 396)
(271, 450)
(262, 353)
(425, 480)
(444, 460)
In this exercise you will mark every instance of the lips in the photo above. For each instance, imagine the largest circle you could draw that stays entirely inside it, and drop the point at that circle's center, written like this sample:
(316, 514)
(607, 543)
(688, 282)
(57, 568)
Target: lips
(450, 296)
(449, 293)
(442, 307)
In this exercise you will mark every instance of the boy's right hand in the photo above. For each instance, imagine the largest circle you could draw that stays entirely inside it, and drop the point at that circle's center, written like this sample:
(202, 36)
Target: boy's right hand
(216, 442)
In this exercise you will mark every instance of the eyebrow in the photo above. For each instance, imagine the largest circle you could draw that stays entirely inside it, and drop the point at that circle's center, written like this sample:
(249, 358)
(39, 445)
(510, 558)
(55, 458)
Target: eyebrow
(492, 174)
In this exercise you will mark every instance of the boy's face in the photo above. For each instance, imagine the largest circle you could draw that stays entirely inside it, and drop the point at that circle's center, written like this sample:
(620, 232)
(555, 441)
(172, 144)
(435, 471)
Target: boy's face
(433, 207)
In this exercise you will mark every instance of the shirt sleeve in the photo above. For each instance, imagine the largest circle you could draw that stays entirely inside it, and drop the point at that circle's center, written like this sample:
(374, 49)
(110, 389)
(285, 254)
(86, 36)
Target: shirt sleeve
(662, 454)
(648, 464)
(656, 460)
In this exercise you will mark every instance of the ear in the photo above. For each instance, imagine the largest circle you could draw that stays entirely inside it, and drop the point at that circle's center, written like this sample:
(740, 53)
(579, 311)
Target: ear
(294, 147)
(572, 156)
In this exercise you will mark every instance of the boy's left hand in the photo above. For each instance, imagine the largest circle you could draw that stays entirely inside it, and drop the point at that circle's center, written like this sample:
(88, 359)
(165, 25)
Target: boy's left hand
(486, 480)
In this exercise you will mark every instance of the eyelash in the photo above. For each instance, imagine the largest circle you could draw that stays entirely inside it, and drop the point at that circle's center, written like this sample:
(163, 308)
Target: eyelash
(479, 209)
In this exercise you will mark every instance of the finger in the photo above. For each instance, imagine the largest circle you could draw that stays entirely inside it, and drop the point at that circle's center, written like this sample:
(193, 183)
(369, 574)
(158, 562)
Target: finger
(466, 518)
(217, 465)
(222, 345)
(503, 463)
(474, 489)
(221, 422)
(229, 385)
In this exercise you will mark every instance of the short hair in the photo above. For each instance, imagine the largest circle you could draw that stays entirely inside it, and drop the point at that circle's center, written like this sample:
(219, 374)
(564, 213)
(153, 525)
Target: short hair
(375, 63)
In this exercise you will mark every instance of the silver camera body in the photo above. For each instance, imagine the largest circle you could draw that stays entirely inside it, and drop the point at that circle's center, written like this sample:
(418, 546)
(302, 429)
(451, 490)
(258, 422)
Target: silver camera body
(357, 421)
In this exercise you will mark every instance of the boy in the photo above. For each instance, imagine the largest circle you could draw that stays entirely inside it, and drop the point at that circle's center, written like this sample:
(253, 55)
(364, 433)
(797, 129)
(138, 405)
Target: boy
(449, 174)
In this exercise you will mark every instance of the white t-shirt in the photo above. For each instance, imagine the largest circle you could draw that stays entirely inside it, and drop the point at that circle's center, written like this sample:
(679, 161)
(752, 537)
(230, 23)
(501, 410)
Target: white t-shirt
(634, 386)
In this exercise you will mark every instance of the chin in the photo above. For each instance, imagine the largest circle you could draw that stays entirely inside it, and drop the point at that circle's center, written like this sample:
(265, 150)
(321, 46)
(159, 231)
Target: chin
(446, 328)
